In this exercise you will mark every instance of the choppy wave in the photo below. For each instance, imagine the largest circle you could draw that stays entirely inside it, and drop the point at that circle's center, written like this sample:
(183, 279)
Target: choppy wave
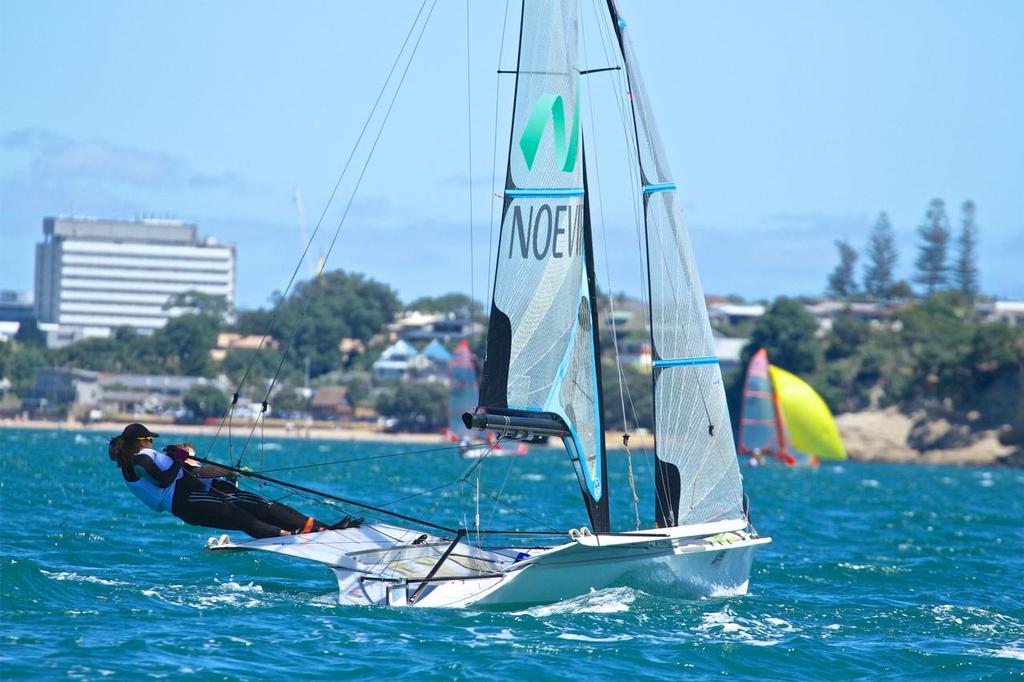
(612, 600)
(875, 570)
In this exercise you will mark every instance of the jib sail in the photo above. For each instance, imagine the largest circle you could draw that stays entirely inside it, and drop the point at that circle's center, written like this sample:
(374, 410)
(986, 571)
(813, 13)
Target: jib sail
(697, 477)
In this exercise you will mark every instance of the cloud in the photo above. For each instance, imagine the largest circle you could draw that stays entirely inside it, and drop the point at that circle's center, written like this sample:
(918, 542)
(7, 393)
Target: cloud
(57, 157)
(835, 225)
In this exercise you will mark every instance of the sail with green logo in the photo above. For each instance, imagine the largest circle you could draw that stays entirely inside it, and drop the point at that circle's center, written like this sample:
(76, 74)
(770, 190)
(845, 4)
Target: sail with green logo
(541, 367)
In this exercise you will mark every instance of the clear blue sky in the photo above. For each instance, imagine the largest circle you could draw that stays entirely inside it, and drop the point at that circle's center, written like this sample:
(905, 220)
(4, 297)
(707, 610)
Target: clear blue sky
(788, 125)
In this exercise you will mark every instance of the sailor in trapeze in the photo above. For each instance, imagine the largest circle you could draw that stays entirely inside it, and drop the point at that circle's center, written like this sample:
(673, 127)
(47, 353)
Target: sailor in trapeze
(174, 481)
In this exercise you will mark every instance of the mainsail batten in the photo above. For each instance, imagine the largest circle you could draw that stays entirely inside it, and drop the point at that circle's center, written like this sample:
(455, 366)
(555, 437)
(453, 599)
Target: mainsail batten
(697, 478)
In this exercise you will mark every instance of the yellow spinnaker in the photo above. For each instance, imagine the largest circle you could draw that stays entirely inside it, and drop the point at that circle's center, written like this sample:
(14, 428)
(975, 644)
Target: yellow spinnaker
(809, 423)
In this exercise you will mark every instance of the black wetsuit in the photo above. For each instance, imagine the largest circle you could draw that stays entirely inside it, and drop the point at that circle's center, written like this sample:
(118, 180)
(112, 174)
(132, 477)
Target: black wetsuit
(228, 507)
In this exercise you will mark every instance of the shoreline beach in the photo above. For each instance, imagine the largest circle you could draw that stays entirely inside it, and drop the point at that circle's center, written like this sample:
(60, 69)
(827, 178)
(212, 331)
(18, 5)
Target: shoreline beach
(874, 436)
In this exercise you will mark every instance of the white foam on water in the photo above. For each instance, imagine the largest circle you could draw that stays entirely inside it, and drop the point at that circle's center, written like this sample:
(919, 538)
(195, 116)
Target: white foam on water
(727, 625)
(869, 483)
(838, 469)
(1014, 651)
(611, 600)
(75, 577)
(873, 568)
(232, 586)
(589, 638)
(271, 446)
(482, 635)
(536, 478)
(215, 595)
(718, 591)
(234, 600)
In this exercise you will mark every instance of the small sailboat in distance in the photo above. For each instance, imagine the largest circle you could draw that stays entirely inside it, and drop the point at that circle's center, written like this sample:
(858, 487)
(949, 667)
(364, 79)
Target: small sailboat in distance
(783, 418)
(463, 388)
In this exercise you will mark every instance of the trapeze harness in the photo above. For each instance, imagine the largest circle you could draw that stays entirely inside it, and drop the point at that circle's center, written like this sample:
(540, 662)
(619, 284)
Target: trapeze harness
(209, 502)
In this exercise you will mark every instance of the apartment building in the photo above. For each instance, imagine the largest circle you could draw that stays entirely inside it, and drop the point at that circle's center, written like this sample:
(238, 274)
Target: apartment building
(94, 275)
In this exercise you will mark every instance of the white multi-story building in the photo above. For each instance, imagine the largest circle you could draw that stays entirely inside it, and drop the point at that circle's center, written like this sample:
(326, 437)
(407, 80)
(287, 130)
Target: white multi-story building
(95, 275)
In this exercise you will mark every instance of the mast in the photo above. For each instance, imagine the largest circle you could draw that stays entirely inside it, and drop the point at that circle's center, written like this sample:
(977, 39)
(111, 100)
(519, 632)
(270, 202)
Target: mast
(541, 372)
(599, 510)
(697, 476)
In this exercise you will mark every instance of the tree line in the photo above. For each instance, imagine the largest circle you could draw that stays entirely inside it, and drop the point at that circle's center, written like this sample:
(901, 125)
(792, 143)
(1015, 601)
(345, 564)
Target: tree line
(935, 267)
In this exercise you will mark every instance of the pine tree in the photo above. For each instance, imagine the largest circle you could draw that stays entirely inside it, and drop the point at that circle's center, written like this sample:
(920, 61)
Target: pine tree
(965, 270)
(881, 254)
(932, 268)
(842, 283)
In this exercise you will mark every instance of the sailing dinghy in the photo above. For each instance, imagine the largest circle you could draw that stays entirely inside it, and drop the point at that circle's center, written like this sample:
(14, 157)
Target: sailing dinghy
(463, 388)
(541, 378)
(782, 418)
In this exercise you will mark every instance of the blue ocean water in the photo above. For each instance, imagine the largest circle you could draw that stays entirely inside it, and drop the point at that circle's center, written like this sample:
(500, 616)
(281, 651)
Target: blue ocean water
(902, 571)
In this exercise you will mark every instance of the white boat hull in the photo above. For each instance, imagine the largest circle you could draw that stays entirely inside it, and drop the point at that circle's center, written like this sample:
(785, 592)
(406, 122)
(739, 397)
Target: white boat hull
(386, 565)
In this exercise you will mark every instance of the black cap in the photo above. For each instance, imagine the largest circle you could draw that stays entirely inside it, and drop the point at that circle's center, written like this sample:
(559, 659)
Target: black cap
(135, 431)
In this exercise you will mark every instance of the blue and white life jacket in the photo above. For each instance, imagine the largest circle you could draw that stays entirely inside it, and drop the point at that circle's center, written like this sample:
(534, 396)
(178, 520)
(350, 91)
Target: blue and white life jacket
(152, 495)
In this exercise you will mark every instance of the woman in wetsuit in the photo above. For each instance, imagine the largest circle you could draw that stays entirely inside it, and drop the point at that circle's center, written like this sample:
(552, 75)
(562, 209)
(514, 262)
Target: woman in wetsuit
(194, 495)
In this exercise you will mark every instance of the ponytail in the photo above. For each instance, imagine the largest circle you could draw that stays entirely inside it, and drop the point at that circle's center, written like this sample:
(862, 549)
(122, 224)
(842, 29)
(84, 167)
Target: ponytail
(119, 452)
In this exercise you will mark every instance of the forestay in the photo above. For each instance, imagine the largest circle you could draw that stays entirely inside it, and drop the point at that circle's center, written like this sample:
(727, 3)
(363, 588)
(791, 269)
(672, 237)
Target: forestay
(697, 476)
(542, 336)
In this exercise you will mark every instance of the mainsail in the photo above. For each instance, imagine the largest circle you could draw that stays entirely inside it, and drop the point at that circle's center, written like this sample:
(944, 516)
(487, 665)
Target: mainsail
(541, 345)
(761, 429)
(697, 477)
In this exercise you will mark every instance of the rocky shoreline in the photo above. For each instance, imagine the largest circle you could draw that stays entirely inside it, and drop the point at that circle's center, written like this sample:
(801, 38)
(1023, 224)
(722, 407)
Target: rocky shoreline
(887, 435)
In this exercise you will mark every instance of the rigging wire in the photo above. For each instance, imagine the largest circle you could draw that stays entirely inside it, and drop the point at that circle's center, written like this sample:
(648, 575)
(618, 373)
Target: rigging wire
(465, 476)
(404, 453)
(469, 154)
(653, 143)
(312, 237)
(608, 276)
(501, 490)
(622, 96)
(355, 190)
(494, 152)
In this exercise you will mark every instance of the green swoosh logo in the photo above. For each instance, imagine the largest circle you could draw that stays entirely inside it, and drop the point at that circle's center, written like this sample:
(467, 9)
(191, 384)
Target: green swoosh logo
(551, 107)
